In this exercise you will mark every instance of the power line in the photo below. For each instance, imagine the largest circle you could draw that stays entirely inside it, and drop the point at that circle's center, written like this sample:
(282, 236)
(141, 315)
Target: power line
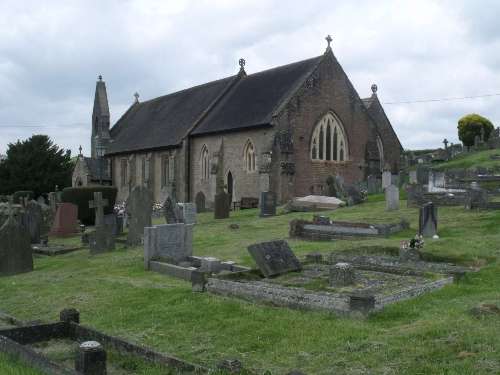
(443, 99)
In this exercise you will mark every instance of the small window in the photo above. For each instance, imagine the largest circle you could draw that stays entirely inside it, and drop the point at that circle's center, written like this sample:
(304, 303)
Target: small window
(249, 157)
(164, 170)
(205, 163)
(171, 168)
(124, 171)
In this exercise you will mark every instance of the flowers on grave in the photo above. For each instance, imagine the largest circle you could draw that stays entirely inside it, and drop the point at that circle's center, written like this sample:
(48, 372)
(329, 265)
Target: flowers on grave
(415, 243)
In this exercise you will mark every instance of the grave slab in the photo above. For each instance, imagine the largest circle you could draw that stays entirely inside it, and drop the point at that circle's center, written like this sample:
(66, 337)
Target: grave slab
(274, 258)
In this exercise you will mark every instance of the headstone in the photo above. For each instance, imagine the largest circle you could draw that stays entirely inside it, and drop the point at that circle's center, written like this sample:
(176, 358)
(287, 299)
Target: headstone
(115, 222)
(428, 220)
(33, 220)
(221, 206)
(386, 179)
(188, 211)
(374, 185)
(139, 210)
(98, 205)
(16, 255)
(422, 175)
(53, 201)
(172, 242)
(476, 197)
(274, 258)
(342, 274)
(66, 220)
(392, 198)
(200, 202)
(171, 212)
(267, 203)
(102, 239)
(353, 195)
(395, 179)
(413, 177)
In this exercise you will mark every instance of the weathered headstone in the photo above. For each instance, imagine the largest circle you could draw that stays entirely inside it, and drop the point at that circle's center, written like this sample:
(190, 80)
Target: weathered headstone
(16, 255)
(33, 220)
(386, 179)
(172, 242)
(115, 222)
(342, 274)
(98, 205)
(374, 185)
(171, 211)
(102, 239)
(188, 212)
(222, 206)
(274, 258)
(392, 198)
(413, 177)
(476, 198)
(428, 220)
(267, 203)
(139, 209)
(66, 220)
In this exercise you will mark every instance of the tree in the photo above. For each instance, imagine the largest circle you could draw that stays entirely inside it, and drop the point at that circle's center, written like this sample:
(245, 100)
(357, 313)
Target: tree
(35, 164)
(471, 126)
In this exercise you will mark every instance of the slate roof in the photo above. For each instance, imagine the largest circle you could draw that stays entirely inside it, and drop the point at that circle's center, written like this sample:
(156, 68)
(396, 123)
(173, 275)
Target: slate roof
(255, 98)
(98, 168)
(228, 104)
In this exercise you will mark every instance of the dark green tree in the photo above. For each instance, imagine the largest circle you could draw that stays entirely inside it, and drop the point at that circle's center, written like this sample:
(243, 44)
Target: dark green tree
(470, 126)
(35, 164)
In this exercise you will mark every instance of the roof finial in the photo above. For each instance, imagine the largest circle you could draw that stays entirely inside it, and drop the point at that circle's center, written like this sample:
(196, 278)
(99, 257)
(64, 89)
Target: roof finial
(328, 40)
(242, 63)
(136, 96)
(80, 149)
(100, 77)
(374, 89)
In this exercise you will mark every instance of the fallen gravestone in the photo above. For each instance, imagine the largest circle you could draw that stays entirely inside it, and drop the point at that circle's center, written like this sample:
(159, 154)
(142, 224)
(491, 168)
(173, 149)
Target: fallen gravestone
(428, 220)
(15, 249)
(139, 209)
(315, 203)
(267, 203)
(392, 198)
(66, 220)
(274, 258)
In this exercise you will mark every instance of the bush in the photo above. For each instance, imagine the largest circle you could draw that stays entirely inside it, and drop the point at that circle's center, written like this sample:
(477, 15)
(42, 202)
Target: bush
(81, 196)
(18, 195)
(471, 126)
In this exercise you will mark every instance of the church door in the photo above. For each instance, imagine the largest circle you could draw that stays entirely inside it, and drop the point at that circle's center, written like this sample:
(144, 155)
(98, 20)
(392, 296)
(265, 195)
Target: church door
(230, 185)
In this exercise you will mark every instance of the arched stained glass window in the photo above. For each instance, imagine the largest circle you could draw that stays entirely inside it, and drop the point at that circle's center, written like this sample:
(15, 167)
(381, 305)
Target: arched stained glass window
(329, 141)
(205, 163)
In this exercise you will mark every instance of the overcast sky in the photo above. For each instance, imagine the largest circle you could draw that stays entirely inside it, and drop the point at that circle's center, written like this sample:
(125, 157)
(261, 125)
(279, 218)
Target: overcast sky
(51, 53)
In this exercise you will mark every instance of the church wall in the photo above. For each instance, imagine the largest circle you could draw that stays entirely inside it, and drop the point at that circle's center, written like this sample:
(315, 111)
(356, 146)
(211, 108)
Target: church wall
(246, 184)
(80, 175)
(329, 90)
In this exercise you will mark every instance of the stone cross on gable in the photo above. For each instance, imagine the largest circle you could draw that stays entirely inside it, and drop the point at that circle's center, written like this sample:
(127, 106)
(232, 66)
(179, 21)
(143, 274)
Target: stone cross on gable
(328, 40)
(98, 203)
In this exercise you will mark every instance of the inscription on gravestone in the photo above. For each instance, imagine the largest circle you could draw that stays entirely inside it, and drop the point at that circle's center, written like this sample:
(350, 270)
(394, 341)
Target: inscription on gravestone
(274, 258)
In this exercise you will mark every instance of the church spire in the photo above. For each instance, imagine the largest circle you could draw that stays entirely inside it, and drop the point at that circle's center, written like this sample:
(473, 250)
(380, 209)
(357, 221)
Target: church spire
(100, 120)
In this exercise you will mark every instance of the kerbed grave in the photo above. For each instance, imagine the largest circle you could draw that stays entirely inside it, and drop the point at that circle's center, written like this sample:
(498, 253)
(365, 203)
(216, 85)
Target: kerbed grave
(376, 280)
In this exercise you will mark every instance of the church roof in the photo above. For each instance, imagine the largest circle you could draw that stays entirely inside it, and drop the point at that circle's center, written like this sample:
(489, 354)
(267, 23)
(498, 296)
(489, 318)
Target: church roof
(228, 104)
(255, 98)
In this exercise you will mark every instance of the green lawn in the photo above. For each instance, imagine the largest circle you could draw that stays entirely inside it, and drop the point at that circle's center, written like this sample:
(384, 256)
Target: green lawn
(470, 160)
(432, 334)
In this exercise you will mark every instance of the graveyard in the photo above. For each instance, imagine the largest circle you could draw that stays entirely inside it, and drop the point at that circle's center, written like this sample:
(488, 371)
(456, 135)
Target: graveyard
(447, 328)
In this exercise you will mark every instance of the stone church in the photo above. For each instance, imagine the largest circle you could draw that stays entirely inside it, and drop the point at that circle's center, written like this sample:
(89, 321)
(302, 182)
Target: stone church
(285, 129)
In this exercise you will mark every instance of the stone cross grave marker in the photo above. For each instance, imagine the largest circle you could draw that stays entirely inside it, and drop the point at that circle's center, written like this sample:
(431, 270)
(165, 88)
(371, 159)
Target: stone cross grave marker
(428, 220)
(33, 220)
(274, 258)
(171, 242)
(16, 255)
(139, 209)
(102, 239)
(392, 198)
(267, 203)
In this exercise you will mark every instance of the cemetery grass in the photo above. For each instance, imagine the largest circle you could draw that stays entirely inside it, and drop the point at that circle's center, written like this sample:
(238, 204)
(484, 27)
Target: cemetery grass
(432, 334)
(470, 160)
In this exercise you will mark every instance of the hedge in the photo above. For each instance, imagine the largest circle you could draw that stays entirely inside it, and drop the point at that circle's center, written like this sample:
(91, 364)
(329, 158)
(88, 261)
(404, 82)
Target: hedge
(81, 196)
(21, 194)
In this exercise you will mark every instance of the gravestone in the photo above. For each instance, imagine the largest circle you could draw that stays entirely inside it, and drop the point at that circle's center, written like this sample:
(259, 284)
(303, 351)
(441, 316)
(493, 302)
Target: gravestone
(173, 242)
(428, 220)
(139, 210)
(374, 184)
(66, 220)
(274, 258)
(476, 197)
(188, 212)
(392, 198)
(102, 239)
(386, 179)
(413, 177)
(200, 202)
(16, 255)
(342, 274)
(33, 220)
(395, 179)
(115, 222)
(171, 212)
(222, 206)
(54, 199)
(267, 204)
